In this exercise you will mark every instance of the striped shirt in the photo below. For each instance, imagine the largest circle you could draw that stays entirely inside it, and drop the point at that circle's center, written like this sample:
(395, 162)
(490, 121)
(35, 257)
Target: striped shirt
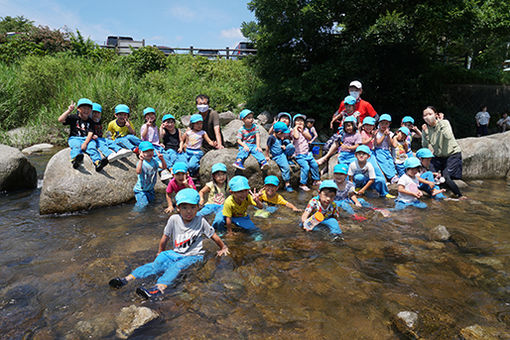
(248, 136)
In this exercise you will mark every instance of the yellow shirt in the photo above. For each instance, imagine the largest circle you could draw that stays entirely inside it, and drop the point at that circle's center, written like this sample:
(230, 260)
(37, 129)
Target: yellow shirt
(232, 209)
(117, 131)
(276, 199)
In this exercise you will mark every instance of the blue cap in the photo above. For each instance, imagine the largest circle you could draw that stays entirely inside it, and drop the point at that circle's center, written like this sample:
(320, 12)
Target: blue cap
(424, 153)
(272, 180)
(286, 114)
(187, 195)
(299, 115)
(239, 183)
(385, 117)
(84, 101)
(350, 119)
(408, 119)
(97, 107)
(281, 127)
(341, 169)
(167, 117)
(349, 100)
(179, 167)
(369, 121)
(404, 130)
(218, 167)
(144, 146)
(121, 108)
(365, 149)
(244, 113)
(197, 117)
(148, 110)
(412, 162)
(328, 184)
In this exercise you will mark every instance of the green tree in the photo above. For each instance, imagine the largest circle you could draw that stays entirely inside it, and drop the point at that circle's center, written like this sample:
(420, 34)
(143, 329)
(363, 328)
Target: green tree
(15, 24)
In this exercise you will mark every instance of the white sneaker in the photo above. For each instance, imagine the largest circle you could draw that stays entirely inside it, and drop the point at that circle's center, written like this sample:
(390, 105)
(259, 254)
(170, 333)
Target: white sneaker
(114, 156)
(165, 174)
(124, 153)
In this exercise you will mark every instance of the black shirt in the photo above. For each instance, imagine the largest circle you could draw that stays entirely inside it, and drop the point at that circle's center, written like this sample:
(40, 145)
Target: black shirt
(171, 141)
(78, 126)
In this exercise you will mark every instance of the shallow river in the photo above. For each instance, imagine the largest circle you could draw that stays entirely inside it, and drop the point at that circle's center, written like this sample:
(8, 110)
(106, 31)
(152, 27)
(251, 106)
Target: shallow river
(54, 273)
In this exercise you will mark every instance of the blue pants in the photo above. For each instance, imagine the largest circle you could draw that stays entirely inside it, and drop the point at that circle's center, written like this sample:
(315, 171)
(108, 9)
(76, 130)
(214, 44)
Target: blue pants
(242, 154)
(283, 163)
(378, 172)
(399, 205)
(106, 146)
(346, 157)
(209, 209)
(242, 222)
(143, 198)
(308, 164)
(128, 142)
(401, 170)
(428, 176)
(346, 205)
(193, 157)
(379, 184)
(167, 262)
(385, 160)
(75, 145)
(331, 223)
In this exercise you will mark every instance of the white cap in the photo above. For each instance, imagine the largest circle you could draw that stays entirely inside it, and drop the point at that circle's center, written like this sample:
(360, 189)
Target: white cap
(355, 83)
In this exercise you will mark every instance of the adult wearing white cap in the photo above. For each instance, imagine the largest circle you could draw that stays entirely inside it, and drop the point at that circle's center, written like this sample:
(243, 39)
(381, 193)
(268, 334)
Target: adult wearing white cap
(362, 106)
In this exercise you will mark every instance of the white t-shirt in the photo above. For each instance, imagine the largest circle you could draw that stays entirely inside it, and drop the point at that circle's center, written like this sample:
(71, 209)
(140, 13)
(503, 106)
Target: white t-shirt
(367, 170)
(504, 121)
(386, 143)
(410, 184)
(187, 238)
(482, 118)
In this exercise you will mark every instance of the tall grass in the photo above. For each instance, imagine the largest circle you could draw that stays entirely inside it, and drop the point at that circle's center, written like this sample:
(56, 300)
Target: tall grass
(36, 91)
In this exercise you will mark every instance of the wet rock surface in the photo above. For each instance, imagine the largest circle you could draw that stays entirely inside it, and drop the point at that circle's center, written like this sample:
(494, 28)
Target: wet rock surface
(16, 172)
(37, 148)
(132, 318)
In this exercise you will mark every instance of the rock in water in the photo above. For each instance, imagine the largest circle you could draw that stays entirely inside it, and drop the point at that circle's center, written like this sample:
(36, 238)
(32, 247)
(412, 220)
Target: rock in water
(16, 172)
(226, 117)
(37, 148)
(230, 133)
(476, 332)
(439, 233)
(131, 318)
(66, 189)
(406, 323)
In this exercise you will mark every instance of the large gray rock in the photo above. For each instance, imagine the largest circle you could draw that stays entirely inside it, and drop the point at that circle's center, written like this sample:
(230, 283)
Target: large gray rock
(66, 189)
(253, 173)
(230, 133)
(131, 318)
(265, 118)
(226, 117)
(37, 148)
(16, 172)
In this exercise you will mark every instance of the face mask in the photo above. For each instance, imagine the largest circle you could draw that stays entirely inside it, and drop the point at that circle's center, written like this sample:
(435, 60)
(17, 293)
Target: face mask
(354, 94)
(203, 108)
(430, 120)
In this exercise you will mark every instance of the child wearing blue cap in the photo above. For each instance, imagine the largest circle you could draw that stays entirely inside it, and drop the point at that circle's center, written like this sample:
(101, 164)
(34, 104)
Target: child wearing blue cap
(325, 204)
(346, 195)
(283, 117)
(121, 130)
(362, 173)
(185, 233)
(216, 191)
(281, 150)
(181, 180)
(192, 143)
(346, 144)
(80, 134)
(429, 179)
(383, 148)
(147, 171)
(349, 110)
(172, 141)
(401, 149)
(236, 205)
(408, 122)
(408, 192)
(248, 138)
(304, 157)
(269, 194)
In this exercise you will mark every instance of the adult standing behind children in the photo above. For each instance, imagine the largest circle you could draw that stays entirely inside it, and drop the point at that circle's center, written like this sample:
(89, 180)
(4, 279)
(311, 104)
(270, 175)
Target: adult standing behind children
(437, 133)
(211, 122)
(362, 106)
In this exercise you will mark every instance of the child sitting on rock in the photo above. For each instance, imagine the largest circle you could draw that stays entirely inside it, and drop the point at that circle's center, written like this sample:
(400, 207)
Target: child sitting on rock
(248, 138)
(181, 180)
(303, 155)
(172, 141)
(121, 130)
(147, 171)
(185, 233)
(281, 149)
(401, 149)
(192, 143)
(382, 148)
(80, 134)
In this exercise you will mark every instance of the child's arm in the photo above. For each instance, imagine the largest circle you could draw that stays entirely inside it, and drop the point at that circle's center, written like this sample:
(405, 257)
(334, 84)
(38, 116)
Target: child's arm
(162, 159)
(394, 141)
(243, 144)
(257, 142)
(335, 118)
(170, 204)
(306, 134)
(162, 132)
(87, 141)
(130, 128)
(139, 164)
(202, 192)
(402, 190)
(210, 141)
(367, 139)
(417, 132)
(163, 243)
(429, 183)
(295, 133)
(314, 136)
(354, 198)
(365, 188)
(406, 147)
(305, 216)
(331, 151)
(144, 131)
(256, 198)
(64, 115)
(292, 206)
(347, 147)
(184, 143)
(228, 225)
(223, 248)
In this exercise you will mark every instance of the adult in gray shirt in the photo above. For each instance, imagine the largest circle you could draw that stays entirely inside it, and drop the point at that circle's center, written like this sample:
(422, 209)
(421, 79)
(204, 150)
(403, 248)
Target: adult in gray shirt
(211, 122)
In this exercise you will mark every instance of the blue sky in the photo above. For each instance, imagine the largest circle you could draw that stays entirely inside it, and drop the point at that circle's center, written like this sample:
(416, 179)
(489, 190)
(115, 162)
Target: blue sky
(198, 23)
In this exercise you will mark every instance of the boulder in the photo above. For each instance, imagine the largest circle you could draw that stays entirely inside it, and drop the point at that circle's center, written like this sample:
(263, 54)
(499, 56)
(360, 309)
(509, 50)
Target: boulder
(439, 233)
(185, 120)
(227, 117)
(66, 189)
(19, 136)
(131, 318)
(37, 148)
(16, 172)
(230, 133)
(264, 118)
(253, 173)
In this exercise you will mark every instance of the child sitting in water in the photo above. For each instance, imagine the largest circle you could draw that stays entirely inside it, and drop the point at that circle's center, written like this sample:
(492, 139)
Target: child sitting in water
(401, 149)
(147, 171)
(325, 204)
(217, 193)
(362, 174)
(429, 178)
(345, 195)
(248, 138)
(192, 143)
(180, 181)
(408, 192)
(383, 145)
(185, 233)
(269, 194)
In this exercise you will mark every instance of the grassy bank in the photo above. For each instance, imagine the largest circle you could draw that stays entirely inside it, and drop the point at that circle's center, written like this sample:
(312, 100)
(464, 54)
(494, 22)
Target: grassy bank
(35, 91)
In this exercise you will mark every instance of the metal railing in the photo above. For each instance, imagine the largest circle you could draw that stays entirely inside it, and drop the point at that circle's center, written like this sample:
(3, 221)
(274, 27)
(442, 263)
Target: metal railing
(227, 52)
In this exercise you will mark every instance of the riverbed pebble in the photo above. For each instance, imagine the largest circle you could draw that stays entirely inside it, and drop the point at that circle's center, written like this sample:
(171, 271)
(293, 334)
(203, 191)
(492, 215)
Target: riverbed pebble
(131, 318)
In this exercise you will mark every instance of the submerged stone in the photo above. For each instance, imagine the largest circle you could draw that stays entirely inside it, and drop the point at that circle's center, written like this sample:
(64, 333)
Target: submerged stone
(131, 318)
(439, 233)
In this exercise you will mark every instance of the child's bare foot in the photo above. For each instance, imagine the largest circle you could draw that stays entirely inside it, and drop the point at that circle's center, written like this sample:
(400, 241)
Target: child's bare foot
(436, 191)
(316, 183)
(304, 188)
